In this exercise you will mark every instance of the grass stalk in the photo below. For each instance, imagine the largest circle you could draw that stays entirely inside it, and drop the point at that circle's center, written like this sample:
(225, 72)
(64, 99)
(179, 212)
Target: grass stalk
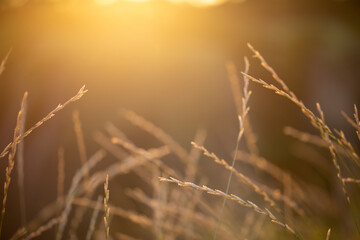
(20, 168)
(97, 157)
(234, 198)
(80, 141)
(93, 219)
(245, 110)
(106, 206)
(11, 161)
(51, 114)
(3, 62)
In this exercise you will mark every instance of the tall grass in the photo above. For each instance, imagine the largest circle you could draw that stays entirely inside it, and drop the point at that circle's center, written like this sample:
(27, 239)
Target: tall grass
(284, 206)
(11, 158)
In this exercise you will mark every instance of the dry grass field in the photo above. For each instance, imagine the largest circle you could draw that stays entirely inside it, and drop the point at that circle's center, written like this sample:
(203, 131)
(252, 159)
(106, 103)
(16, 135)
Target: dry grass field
(227, 145)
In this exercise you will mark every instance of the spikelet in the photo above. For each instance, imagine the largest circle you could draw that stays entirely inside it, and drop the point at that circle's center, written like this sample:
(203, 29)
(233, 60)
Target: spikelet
(317, 122)
(106, 206)
(80, 93)
(11, 162)
(241, 176)
(234, 198)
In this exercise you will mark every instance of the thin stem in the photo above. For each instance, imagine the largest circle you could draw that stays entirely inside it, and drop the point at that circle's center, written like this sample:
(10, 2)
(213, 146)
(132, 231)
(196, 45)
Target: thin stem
(245, 110)
(228, 185)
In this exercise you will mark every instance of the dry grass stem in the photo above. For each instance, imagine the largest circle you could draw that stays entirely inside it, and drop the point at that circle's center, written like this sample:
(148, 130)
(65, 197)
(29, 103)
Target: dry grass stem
(106, 143)
(242, 117)
(139, 219)
(97, 157)
(158, 133)
(43, 228)
(115, 132)
(3, 62)
(235, 86)
(106, 206)
(352, 154)
(328, 234)
(80, 140)
(60, 178)
(79, 212)
(136, 218)
(11, 161)
(250, 137)
(187, 212)
(146, 154)
(356, 117)
(201, 204)
(93, 219)
(270, 70)
(190, 174)
(122, 236)
(351, 180)
(241, 176)
(319, 142)
(234, 198)
(262, 164)
(194, 155)
(317, 122)
(43, 216)
(287, 183)
(173, 209)
(355, 123)
(121, 168)
(271, 169)
(80, 93)
(334, 156)
(305, 137)
(20, 167)
(158, 194)
(20, 233)
(287, 200)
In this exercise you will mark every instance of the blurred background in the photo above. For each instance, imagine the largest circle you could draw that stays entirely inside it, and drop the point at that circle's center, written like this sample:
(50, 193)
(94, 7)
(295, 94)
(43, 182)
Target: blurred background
(166, 60)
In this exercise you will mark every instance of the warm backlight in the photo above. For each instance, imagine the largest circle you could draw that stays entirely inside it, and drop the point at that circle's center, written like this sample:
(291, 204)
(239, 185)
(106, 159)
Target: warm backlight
(200, 3)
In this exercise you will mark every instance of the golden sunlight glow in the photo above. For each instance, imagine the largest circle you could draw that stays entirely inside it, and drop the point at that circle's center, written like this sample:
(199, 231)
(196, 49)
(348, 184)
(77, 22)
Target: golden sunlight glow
(105, 2)
(198, 3)
(18, 3)
(205, 2)
(137, 0)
